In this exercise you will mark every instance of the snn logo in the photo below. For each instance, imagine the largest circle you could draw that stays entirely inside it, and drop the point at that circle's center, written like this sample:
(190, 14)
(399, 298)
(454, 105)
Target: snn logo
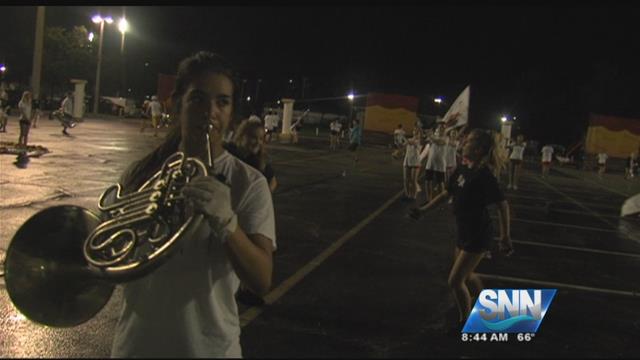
(519, 303)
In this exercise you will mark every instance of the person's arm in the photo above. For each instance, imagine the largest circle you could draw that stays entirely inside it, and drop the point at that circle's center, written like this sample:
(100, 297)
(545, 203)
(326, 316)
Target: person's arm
(273, 184)
(505, 245)
(424, 154)
(416, 212)
(252, 259)
(250, 254)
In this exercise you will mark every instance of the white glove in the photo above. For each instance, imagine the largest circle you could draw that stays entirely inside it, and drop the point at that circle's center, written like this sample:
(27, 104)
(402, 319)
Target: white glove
(212, 198)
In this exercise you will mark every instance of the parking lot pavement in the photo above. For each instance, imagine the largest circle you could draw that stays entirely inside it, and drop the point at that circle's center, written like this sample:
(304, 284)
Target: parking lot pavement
(353, 277)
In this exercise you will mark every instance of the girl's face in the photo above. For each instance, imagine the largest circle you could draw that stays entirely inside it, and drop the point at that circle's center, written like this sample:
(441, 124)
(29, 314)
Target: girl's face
(256, 142)
(519, 139)
(208, 100)
(469, 148)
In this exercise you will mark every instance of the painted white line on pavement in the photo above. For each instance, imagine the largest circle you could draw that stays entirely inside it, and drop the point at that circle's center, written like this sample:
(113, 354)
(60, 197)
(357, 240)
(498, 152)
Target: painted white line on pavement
(600, 185)
(577, 203)
(560, 285)
(253, 312)
(514, 196)
(561, 211)
(595, 251)
(561, 225)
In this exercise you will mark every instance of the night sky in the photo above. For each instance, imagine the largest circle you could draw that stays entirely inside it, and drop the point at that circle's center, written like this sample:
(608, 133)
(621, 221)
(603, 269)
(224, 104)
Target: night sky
(549, 65)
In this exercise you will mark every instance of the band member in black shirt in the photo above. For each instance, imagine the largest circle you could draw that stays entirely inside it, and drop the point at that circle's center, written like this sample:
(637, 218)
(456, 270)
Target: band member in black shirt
(473, 187)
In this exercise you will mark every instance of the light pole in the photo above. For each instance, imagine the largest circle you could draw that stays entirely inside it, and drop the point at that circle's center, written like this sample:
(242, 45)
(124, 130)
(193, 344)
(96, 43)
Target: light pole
(258, 89)
(123, 26)
(97, 19)
(244, 83)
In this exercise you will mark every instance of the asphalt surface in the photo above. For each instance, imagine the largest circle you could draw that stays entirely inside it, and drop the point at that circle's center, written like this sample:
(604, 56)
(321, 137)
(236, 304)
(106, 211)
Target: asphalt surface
(353, 277)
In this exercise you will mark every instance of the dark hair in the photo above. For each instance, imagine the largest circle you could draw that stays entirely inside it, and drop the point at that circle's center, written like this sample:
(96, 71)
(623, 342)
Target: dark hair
(189, 69)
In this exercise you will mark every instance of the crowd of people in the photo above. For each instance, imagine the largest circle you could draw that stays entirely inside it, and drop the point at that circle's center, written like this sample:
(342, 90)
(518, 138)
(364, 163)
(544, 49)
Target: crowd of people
(229, 258)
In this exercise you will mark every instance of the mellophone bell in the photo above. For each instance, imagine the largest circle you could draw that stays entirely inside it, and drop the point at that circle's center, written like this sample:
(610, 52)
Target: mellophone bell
(63, 263)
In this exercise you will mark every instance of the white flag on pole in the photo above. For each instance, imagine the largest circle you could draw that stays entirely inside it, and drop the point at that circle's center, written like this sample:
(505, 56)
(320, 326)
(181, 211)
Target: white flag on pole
(458, 113)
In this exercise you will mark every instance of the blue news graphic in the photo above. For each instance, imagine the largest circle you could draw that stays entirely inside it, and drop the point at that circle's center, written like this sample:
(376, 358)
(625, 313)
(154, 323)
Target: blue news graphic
(509, 311)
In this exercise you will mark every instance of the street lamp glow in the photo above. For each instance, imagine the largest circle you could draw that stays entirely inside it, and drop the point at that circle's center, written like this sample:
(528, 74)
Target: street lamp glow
(248, 98)
(123, 25)
(504, 118)
(91, 36)
(437, 100)
(97, 19)
(108, 19)
(350, 96)
(3, 68)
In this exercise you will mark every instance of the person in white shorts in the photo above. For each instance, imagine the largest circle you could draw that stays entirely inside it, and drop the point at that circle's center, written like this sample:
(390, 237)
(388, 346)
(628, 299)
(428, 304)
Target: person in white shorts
(399, 141)
(602, 163)
(436, 163)
(515, 161)
(451, 156)
(334, 132)
(547, 155)
(411, 166)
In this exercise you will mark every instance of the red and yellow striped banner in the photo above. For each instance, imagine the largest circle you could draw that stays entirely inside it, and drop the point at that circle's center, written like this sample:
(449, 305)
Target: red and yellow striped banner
(616, 136)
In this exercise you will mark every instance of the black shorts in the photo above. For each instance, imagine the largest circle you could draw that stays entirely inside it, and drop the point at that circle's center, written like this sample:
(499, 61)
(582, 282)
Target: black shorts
(472, 239)
(334, 133)
(24, 126)
(432, 175)
(353, 146)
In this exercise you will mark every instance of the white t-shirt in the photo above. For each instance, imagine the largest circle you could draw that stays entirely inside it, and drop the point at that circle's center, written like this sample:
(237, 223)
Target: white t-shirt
(412, 155)
(602, 158)
(425, 152)
(450, 157)
(25, 110)
(517, 151)
(436, 160)
(155, 108)
(67, 105)
(335, 126)
(186, 307)
(546, 151)
(399, 137)
(267, 122)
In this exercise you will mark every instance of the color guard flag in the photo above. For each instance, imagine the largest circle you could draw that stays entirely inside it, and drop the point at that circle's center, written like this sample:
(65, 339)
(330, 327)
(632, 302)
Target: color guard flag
(458, 113)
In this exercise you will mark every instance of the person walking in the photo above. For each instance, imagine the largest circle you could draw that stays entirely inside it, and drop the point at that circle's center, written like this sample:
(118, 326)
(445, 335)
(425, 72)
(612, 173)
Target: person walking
(515, 161)
(547, 155)
(411, 165)
(154, 110)
(355, 139)
(602, 163)
(474, 188)
(26, 115)
(67, 112)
